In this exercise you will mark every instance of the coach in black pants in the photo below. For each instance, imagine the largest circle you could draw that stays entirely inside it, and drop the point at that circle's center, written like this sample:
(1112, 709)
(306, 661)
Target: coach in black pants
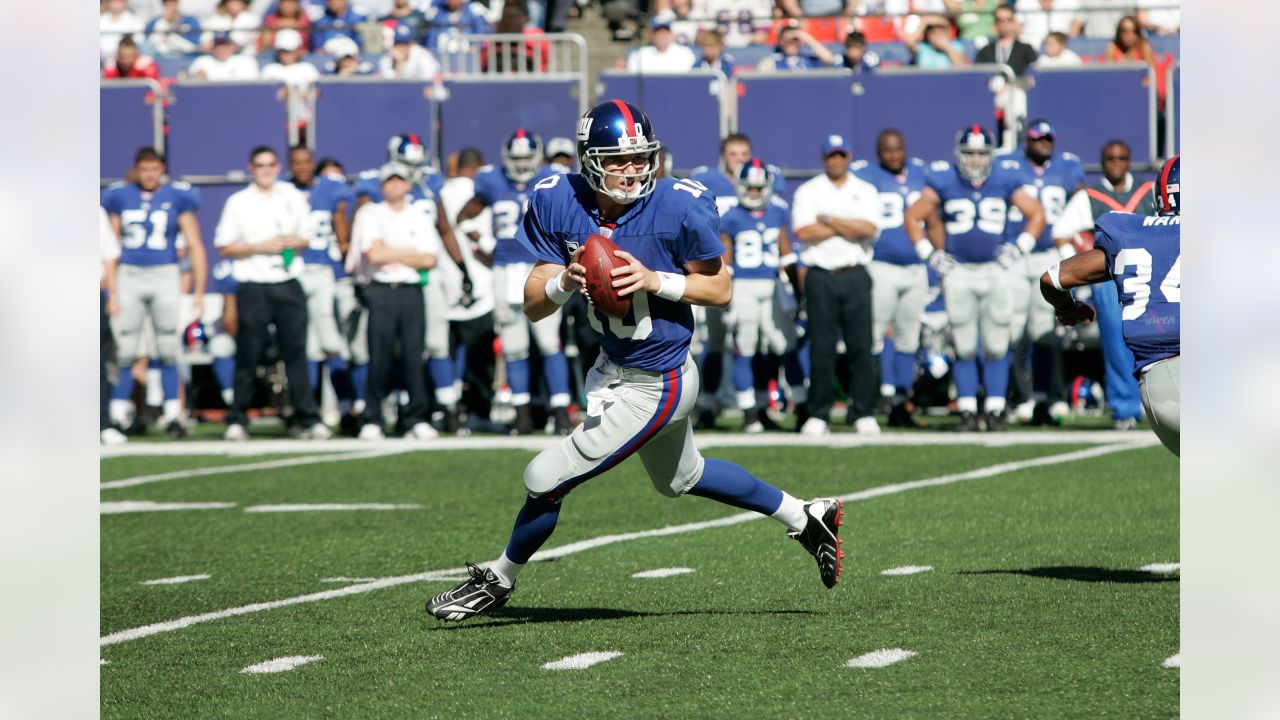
(397, 245)
(838, 216)
(263, 228)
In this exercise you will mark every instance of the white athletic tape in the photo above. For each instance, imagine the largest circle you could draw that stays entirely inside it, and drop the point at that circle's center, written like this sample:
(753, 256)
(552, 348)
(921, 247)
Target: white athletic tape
(880, 658)
(582, 661)
(572, 548)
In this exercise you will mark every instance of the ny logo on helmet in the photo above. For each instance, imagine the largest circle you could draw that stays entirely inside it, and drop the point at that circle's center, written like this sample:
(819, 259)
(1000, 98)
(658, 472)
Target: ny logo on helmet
(584, 128)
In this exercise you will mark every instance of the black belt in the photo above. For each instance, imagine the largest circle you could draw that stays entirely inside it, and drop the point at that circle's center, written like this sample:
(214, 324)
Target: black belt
(394, 285)
(851, 268)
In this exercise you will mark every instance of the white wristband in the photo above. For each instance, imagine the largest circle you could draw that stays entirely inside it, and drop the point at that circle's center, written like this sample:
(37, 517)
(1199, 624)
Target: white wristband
(788, 259)
(1053, 271)
(555, 293)
(672, 287)
(1026, 242)
(1067, 250)
(924, 249)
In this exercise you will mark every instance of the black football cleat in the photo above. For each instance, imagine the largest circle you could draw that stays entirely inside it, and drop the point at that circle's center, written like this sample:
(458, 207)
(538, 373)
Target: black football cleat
(176, 430)
(524, 421)
(1040, 416)
(900, 417)
(994, 422)
(563, 425)
(968, 422)
(821, 537)
(478, 594)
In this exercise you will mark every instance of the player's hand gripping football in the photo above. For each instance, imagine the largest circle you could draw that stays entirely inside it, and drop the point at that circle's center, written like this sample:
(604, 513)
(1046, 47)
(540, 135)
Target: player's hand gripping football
(575, 276)
(634, 276)
(1078, 314)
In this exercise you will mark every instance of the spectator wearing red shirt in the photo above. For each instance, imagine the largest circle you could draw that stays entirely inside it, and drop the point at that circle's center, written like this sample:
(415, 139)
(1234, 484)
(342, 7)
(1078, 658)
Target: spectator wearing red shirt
(287, 14)
(1129, 44)
(130, 63)
(526, 56)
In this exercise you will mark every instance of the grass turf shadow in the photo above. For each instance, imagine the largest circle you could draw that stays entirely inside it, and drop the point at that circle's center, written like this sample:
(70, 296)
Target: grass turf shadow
(1083, 574)
(522, 616)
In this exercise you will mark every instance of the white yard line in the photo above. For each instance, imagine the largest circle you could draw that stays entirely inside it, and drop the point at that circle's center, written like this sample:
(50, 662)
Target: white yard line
(662, 573)
(281, 664)
(189, 448)
(251, 467)
(582, 661)
(321, 507)
(907, 570)
(1162, 568)
(175, 580)
(572, 548)
(880, 658)
(137, 506)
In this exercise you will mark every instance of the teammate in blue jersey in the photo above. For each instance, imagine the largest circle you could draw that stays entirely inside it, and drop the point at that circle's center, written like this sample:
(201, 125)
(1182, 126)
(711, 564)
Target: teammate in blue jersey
(900, 283)
(1052, 178)
(709, 344)
(506, 192)
(757, 244)
(148, 215)
(974, 197)
(644, 384)
(329, 197)
(1142, 255)
(408, 149)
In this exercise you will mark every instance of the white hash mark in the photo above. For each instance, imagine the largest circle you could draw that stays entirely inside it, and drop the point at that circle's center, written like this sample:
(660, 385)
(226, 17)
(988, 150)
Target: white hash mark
(907, 570)
(663, 572)
(175, 580)
(582, 661)
(281, 664)
(880, 658)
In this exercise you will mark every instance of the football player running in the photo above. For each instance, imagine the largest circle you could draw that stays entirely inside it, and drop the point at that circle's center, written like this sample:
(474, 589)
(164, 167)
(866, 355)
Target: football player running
(147, 215)
(644, 384)
(1052, 178)
(974, 197)
(899, 280)
(756, 244)
(1142, 255)
(506, 192)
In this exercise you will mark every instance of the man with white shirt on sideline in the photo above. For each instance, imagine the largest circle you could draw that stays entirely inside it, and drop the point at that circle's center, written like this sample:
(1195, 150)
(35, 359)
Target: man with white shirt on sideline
(394, 247)
(664, 54)
(223, 62)
(264, 229)
(837, 216)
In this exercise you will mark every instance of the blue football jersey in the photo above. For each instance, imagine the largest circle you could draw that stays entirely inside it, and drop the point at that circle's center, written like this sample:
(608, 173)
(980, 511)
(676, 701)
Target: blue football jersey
(897, 193)
(722, 185)
(755, 236)
(974, 216)
(1144, 257)
(1053, 185)
(149, 220)
(508, 201)
(324, 196)
(674, 225)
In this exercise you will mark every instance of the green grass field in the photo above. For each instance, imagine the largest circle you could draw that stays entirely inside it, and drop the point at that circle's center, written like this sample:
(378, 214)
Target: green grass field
(1035, 606)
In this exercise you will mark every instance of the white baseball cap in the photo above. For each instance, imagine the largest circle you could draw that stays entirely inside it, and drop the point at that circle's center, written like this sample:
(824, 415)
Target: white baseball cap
(340, 46)
(288, 40)
(561, 146)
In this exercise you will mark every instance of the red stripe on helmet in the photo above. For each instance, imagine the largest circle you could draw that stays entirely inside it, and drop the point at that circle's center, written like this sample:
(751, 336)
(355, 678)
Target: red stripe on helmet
(755, 163)
(413, 138)
(519, 132)
(630, 128)
(1164, 182)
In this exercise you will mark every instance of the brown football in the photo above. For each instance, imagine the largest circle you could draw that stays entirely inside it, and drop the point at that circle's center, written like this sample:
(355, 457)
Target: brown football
(599, 260)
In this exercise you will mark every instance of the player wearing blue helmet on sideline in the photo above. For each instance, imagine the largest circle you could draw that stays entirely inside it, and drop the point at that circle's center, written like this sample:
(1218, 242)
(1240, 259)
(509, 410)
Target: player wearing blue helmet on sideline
(644, 385)
(1142, 255)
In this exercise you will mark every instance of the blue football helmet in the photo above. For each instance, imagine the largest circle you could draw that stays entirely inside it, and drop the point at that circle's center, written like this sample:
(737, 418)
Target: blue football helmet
(754, 175)
(408, 149)
(522, 155)
(975, 151)
(195, 337)
(1166, 189)
(613, 129)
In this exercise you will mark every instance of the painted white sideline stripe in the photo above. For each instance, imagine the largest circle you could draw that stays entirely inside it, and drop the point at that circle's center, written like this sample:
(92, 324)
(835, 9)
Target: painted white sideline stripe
(281, 664)
(249, 467)
(880, 658)
(316, 507)
(335, 446)
(663, 572)
(347, 580)
(1162, 567)
(907, 570)
(175, 580)
(135, 506)
(1173, 662)
(570, 549)
(582, 661)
